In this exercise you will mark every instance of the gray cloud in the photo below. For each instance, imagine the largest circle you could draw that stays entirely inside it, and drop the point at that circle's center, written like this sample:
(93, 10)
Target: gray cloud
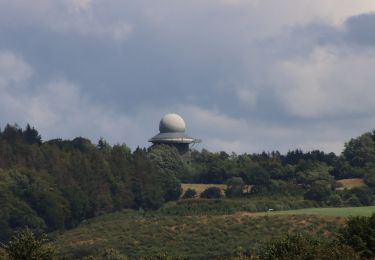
(360, 29)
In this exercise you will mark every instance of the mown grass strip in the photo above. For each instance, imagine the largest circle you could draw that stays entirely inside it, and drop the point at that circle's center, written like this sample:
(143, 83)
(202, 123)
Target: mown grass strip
(339, 212)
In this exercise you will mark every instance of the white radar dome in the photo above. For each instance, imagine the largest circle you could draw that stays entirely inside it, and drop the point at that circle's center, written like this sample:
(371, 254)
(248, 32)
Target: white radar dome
(172, 123)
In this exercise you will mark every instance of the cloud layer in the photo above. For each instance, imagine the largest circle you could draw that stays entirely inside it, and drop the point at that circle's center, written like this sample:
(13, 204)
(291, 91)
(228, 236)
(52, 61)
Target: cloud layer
(247, 75)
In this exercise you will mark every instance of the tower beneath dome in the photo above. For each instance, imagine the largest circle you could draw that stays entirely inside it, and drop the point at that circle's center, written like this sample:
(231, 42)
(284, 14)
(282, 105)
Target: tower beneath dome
(172, 132)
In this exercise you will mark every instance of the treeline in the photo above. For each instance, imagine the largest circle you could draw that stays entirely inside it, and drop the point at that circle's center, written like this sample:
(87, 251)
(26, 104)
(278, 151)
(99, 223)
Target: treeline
(312, 175)
(58, 183)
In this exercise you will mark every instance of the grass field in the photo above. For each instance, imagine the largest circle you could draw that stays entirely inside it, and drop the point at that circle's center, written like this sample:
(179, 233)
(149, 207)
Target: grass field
(339, 212)
(351, 183)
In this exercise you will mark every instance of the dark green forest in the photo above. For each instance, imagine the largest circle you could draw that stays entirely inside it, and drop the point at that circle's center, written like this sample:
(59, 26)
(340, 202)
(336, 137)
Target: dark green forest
(56, 184)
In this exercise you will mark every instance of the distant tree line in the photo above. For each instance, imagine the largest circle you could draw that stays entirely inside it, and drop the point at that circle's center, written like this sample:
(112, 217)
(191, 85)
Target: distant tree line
(312, 175)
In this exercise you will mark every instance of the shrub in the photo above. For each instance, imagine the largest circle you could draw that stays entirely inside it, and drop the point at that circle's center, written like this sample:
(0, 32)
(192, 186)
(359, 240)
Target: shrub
(364, 194)
(303, 247)
(235, 186)
(353, 201)
(359, 233)
(319, 191)
(189, 194)
(212, 193)
(334, 201)
(24, 245)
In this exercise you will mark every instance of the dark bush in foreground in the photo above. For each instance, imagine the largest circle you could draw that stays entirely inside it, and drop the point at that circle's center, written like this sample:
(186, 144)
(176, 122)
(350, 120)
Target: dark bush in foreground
(25, 245)
(212, 193)
(304, 247)
(359, 233)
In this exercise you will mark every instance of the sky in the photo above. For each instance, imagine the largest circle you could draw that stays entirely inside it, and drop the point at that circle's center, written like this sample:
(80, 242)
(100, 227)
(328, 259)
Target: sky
(246, 75)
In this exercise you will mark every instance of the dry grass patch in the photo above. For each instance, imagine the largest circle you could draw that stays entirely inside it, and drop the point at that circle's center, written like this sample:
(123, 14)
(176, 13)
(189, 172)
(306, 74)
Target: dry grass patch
(199, 188)
(351, 183)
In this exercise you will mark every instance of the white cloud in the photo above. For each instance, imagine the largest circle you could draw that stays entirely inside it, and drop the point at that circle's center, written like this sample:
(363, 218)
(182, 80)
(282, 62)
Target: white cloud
(78, 6)
(330, 82)
(59, 109)
(247, 96)
(121, 32)
(12, 69)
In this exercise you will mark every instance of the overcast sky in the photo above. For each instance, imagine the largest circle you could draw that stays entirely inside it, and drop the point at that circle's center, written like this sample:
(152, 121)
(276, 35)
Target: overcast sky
(246, 75)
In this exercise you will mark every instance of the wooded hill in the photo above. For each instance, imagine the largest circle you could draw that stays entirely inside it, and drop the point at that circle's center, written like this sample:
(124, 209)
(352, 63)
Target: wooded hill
(55, 184)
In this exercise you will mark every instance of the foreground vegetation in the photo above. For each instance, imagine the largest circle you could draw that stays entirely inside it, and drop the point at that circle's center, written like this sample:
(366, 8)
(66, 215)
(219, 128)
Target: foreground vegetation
(134, 235)
(303, 238)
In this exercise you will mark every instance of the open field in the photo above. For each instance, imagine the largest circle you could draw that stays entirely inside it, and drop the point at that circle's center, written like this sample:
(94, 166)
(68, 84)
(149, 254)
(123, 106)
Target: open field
(339, 212)
(351, 183)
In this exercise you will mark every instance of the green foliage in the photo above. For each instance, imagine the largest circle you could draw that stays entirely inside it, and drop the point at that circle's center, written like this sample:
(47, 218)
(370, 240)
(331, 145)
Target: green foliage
(151, 234)
(319, 191)
(230, 206)
(334, 200)
(57, 184)
(235, 187)
(361, 150)
(212, 193)
(370, 177)
(168, 160)
(359, 233)
(170, 167)
(189, 194)
(343, 170)
(25, 246)
(301, 247)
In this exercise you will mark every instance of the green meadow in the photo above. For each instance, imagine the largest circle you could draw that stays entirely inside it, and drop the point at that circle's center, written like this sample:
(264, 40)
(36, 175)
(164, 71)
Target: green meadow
(339, 212)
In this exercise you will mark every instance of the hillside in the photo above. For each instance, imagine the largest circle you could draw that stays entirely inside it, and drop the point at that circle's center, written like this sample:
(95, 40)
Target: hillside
(133, 234)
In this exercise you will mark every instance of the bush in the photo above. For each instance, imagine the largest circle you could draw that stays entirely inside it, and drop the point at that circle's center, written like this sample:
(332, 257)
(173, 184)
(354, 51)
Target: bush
(364, 194)
(235, 186)
(359, 233)
(319, 191)
(189, 194)
(334, 201)
(24, 245)
(304, 247)
(353, 201)
(212, 193)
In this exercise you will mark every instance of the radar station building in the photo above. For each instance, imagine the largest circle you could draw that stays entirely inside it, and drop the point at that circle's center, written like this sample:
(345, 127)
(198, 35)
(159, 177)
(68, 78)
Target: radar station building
(172, 132)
